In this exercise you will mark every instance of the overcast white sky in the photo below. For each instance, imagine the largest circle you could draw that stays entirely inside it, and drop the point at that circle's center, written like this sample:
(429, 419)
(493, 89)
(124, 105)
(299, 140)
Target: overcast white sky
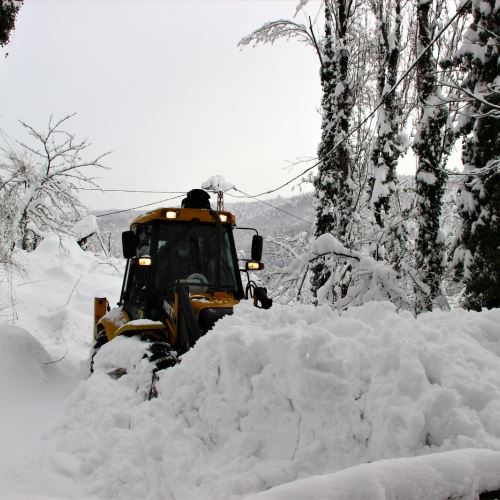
(163, 84)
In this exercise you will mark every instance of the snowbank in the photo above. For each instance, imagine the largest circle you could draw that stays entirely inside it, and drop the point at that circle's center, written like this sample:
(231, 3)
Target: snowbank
(53, 295)
(274, 396)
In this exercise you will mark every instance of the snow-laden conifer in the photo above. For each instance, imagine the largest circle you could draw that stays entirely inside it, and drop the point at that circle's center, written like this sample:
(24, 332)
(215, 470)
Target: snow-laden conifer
(478, 252)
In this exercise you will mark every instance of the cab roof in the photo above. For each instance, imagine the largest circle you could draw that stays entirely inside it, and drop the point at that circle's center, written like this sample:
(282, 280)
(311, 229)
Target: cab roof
(186, 215)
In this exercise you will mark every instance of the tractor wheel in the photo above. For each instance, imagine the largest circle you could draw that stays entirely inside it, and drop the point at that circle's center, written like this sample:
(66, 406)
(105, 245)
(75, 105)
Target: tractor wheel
(162, 357)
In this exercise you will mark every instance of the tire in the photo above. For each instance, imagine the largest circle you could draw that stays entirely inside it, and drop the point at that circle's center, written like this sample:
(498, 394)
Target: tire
(162, 357)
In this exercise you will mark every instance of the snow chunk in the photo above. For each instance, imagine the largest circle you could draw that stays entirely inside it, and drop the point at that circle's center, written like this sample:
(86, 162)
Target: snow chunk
(145, 322)
(54, 245)
(217, 183)
(327, 243)
(85, 227)
(427, 177)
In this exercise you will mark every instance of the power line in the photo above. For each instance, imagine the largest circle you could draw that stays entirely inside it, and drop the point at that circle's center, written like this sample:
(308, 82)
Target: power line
(355, 129)
(269, 205)
(130, 191)
(140, 206)
(245, 195)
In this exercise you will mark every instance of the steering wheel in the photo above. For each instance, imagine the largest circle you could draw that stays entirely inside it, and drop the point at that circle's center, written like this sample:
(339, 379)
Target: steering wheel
(201, 278)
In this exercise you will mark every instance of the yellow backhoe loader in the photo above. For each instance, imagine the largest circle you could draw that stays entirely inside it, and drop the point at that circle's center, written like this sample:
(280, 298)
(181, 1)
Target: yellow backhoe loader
(182, 275)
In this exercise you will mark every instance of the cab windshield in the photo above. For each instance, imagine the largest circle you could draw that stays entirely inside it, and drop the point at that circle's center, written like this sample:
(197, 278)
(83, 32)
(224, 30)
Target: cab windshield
(189, 249)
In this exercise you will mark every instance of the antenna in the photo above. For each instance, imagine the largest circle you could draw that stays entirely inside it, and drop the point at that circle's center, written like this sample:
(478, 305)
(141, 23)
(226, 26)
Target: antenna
(220, 200)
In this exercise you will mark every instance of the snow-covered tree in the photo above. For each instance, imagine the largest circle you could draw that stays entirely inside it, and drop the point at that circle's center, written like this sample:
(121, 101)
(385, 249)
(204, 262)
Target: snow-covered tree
(432, 145)
(333, 189)
(8, 12)
(354, 279)
(39, 183)
(281, 250)
(334, 181)
(477, 255)
(388, 146)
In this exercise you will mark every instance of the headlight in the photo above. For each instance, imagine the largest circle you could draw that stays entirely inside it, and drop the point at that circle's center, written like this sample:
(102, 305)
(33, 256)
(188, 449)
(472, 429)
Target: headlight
(253, 265)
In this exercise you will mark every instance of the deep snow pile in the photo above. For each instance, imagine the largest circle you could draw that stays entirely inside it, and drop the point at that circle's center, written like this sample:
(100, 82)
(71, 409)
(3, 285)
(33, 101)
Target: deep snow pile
(24, 363)
(267, 398)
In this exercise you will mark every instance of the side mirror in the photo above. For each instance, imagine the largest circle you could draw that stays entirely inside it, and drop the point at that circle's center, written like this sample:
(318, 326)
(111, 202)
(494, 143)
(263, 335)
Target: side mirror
(257, 244)
(129, 244)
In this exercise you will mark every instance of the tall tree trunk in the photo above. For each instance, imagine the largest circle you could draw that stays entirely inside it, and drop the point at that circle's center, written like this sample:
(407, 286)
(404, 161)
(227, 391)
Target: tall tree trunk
(387, 148)
(431, 176)
(333, 189)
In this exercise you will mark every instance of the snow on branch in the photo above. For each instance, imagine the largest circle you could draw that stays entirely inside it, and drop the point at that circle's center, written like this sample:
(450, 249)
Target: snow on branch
(282, 29)
(39, 182)
(274, 30)
(361, 277)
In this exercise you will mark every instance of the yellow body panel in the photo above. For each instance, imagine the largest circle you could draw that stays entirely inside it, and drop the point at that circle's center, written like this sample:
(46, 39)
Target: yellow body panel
(112, 322)
(118, 323)
(214, 300)
(154, 330)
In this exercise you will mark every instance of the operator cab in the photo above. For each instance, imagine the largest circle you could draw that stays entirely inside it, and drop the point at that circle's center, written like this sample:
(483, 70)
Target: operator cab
(191, 246)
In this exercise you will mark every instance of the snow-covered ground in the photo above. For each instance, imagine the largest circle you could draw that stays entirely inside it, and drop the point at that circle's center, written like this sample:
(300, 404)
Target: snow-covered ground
(293, 402)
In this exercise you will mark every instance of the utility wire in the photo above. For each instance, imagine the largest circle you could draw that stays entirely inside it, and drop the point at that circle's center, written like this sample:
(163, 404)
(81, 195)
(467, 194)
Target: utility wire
(245, 196)
(140, 206)
(269, 205)
(349, 134)
(130, 191)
